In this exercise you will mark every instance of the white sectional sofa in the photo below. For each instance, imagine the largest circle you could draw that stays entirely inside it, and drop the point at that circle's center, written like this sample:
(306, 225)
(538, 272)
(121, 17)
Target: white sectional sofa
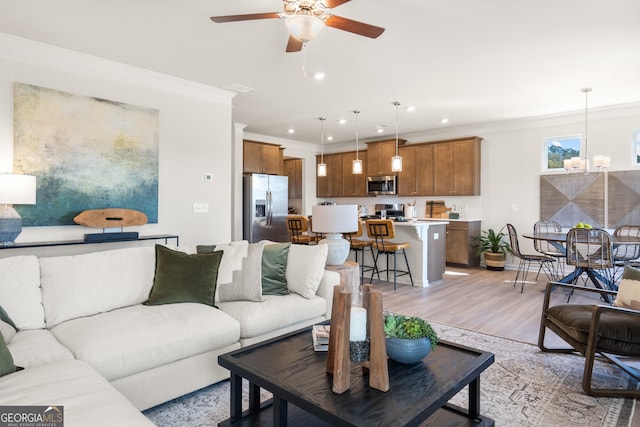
(89, 342)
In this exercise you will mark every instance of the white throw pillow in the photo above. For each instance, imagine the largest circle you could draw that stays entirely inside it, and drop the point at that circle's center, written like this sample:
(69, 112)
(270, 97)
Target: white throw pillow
(629, 288)
(246, 281)
(305, 268)
(20, 291)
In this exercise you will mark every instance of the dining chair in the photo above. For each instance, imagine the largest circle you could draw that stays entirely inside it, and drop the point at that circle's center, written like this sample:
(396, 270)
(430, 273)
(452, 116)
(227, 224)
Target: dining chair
(359, 246)
(590, 252)
(381, 230)
(556, 250)
(625, 254)
(297, 226)
(544, 262)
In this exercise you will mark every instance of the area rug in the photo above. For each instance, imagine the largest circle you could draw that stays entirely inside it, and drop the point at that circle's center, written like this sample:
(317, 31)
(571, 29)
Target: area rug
(523, 387)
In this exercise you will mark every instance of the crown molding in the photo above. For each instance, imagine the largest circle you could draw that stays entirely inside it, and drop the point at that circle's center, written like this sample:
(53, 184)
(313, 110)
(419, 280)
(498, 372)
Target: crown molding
(68, 61)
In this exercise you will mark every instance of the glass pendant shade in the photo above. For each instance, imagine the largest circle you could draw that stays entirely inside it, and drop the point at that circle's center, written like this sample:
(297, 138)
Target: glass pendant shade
(304, 27)
(356, 167)
(396, 164)
(322, 169)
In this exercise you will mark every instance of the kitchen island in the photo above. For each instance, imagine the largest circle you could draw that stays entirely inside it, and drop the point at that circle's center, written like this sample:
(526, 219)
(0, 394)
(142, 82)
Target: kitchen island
(426, 255)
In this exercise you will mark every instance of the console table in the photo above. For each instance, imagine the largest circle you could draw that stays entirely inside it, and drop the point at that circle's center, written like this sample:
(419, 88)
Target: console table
(165, 237)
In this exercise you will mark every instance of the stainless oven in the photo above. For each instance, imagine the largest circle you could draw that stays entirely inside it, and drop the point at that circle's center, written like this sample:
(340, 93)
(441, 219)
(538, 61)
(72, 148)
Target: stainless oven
(377, 185)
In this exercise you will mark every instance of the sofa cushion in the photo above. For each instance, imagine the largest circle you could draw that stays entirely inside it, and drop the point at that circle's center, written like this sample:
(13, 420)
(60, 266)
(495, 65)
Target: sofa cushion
(305, 268)
(87, 284)
(274, 269)
(88, 399)
(133, 339)
(6, 360)
(182, 277)
(37, 347)
(629, 287)
(246, 283)
(275, 312)
(20, 293)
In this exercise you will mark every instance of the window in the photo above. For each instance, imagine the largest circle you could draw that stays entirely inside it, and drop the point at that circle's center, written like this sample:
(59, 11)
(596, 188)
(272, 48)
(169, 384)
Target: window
(636, 146)
(559, 149)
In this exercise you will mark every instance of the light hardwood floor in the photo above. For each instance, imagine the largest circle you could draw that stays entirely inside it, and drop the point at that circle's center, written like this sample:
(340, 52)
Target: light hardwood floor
(484, 301)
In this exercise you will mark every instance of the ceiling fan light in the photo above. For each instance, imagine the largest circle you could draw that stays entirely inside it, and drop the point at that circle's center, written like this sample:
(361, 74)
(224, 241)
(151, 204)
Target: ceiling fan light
(304, 27)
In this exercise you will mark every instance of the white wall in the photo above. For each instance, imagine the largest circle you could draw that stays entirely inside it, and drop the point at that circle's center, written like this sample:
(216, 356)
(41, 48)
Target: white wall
(195, 134)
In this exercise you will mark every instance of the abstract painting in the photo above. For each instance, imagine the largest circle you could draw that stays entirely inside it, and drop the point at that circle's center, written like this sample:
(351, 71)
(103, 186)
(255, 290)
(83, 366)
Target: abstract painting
(86, 153)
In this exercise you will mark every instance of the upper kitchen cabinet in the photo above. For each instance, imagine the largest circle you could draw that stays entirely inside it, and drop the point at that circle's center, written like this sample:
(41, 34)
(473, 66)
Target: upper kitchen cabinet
(456, 165)
(416, 178)
(330, 185)
(353, 185)
(260, 157)
(379, 154)
(293, 169)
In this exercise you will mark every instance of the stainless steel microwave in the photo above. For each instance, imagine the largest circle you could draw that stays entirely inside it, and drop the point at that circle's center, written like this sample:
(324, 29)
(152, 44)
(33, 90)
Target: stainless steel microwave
(377, 185)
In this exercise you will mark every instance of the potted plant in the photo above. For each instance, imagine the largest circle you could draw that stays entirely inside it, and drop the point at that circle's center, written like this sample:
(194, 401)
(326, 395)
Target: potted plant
(408, 339)
(494, 248)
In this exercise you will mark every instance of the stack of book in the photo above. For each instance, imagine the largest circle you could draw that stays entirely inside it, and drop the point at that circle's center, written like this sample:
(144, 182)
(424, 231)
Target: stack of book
(320, 334)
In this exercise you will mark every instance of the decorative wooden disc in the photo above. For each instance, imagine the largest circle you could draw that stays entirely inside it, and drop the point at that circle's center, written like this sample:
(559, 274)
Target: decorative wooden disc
(111, 217)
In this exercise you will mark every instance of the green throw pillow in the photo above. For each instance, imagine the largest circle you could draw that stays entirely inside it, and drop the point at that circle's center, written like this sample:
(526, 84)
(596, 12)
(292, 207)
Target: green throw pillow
(5, 318)
(205, 249)
(182, 277)
(6, 360)
(274, 269)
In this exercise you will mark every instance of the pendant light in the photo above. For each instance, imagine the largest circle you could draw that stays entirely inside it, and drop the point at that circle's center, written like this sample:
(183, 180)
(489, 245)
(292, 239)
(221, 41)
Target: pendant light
(396, 161)
(356, 166)
(580, 163)
(322, 166)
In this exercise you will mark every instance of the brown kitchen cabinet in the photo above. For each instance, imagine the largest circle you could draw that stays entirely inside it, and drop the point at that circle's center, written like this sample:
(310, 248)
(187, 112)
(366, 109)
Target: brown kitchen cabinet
(461, 247)
(457, 167)
(379, 154)
(293, 170)
(416, 178)
(330, 185)
(353, 185)
(260, 157)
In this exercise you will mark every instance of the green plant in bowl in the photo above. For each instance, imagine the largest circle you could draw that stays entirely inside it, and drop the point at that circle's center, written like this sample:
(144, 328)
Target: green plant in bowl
(408, 339)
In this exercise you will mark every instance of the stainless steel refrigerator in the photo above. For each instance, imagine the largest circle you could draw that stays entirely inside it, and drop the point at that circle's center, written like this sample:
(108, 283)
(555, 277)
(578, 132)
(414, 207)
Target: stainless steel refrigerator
(265, 207)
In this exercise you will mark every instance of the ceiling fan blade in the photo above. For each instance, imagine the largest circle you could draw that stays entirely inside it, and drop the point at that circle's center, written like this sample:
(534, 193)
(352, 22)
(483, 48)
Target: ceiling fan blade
(249, 17)
(352, 26)
(294, 45)
(334, 3)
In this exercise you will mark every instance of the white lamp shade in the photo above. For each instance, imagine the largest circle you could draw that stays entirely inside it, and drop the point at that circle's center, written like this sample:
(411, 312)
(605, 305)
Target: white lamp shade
(17, 189)
(304, 27)
(334, 218)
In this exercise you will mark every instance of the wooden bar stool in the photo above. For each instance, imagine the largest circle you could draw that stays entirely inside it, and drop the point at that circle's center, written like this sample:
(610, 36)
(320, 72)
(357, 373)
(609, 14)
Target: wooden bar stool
(381, 230)
(360, 246)
(297, 225)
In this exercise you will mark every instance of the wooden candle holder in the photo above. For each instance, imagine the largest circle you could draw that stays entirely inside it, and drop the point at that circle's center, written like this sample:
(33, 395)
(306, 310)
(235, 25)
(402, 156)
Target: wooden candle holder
(338, 361)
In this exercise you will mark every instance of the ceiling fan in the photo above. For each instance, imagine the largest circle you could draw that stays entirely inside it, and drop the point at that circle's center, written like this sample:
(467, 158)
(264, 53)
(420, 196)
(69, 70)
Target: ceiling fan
(306, 18)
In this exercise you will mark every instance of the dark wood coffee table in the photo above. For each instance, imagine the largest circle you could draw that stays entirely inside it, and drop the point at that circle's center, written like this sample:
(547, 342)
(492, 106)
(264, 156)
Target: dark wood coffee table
(288, 367)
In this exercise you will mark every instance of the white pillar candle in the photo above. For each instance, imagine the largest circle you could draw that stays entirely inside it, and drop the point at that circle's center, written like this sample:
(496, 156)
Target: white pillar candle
(358, 324)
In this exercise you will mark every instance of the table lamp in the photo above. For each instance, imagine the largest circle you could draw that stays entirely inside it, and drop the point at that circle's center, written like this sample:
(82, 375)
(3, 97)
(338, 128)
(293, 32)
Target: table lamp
(14, 190)
(333, 220)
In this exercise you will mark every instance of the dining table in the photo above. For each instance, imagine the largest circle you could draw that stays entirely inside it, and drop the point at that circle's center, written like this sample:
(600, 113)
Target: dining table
(559, 240)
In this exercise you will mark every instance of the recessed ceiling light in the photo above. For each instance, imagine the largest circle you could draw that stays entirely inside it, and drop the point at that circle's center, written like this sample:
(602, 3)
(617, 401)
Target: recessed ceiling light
(329, 138)
(342, 121)
(319, 76)
(291, 131)
(411, 108)
(380, 128)
(444, 121)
